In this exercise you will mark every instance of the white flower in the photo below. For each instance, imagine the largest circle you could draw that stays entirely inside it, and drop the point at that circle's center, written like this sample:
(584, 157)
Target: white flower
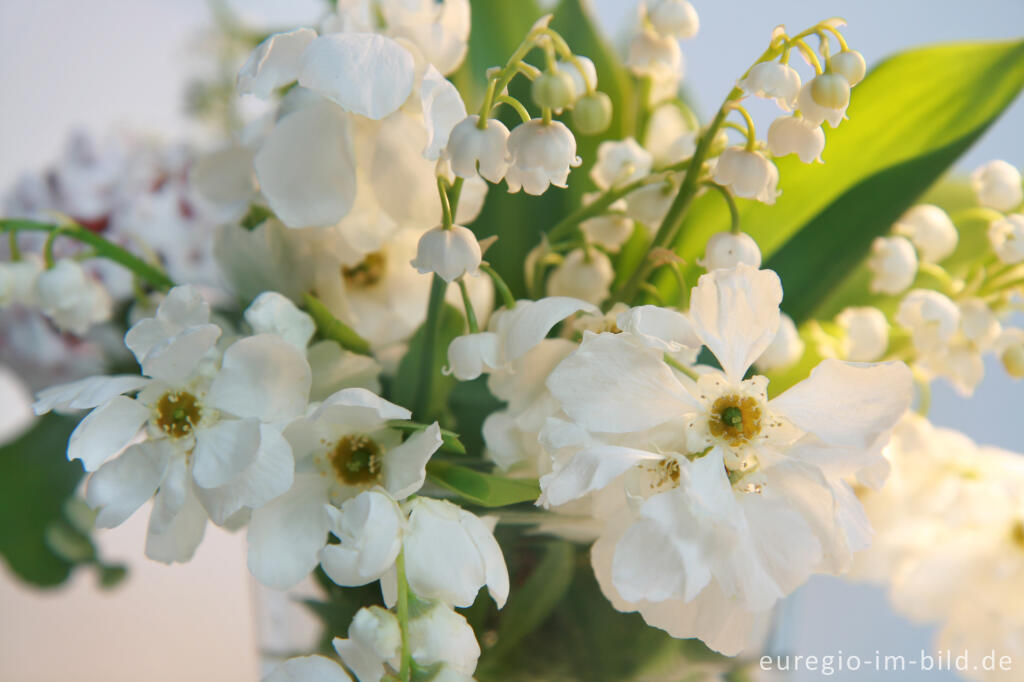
(443, 109)
(450, 253)
(439, 29)
(540, 154)
(676, 18)
(785, 349)
(725, 473)
(931, 231)
(17, 281)
(314, 668)
(511, 334)
(649, 204)
(1010, 348)
(748, 174)
(585, 275)
(795, 135)
(610, 230)
(343, 448)
(931, 318)
(443, 636)
(620, 162)
(470, 147)
(893, 264)
(867, 333)
(850, 65)
(1007, 238)
(212, 445)
(272, 313)
(773, 80)
(651, 54)
(374, 638)
(669, 137)
(815, 113)
(274, 63)
(726, 250)
(72, 299)
(580, 80)
(997, 185)
(450, 554)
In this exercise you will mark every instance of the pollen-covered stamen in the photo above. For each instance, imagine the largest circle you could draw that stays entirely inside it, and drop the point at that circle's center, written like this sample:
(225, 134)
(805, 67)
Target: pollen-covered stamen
(367, 272)
(177, 413)
(356, 460)
(1017, 534)
(735, 419)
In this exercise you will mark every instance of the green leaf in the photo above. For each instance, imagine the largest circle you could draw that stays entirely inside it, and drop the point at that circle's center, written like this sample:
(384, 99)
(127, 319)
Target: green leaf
(35, 481)
(449, 440)
(486, 490)
(406, 385)
(910, 119)
(334, 329)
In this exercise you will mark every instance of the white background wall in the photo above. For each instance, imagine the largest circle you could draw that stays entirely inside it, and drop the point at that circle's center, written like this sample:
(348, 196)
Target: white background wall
(104, 63)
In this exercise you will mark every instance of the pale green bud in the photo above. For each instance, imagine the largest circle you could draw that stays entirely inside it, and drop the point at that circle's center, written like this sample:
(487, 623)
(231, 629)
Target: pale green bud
(553, 90)
(831, 91)
(850, 65)
(592, 113)
(1013, 360)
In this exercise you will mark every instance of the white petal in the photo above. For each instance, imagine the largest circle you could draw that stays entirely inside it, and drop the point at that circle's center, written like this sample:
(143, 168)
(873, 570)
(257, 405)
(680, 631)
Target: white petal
(361, 398)
(847, 404)
(264, 377)
(274, 63)
(658, 327)
(272, 313)
(174, 360)
(495, 570)
(306, 167)
(184, 306)
(590, 469)
(287, 534)
(225, 176)
(443, 636)
(442, 109)
(405, 467)
(170, 498)
(106, 430)
(442, 561)
(177, 542)
(611, 385)
(360, 660)
(369, 526)
(308, 669)
(86, 393)
(366, 73)
(122, 485)
(530, 321)
(736, 314)
(224, 450)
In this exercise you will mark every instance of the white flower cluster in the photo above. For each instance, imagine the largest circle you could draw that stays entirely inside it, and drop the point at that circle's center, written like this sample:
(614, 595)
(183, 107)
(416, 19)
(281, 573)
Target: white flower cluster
(949, 539)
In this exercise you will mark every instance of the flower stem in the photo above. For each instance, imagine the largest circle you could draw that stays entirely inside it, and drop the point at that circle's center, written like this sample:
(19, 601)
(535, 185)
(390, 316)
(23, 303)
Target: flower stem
(517, 105)
(431, 329)
(405, 669)
(148, 272)
(474, 327)
(499, 284)
(734, 212)
(446, 207)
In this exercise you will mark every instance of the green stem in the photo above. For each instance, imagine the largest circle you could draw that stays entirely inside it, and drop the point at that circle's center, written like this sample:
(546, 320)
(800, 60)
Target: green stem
(517, 105)
(12, 237)
(734, 212)
(446, 207)
(405, 669)
(152, 274)
(468, 305)
(499, 284)
(431, 329)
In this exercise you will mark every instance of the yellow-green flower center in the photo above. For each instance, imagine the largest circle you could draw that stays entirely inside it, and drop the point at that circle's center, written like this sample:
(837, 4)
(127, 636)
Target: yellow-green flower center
(357, 460)
(177, 414)
(735, 419)
(367, 272)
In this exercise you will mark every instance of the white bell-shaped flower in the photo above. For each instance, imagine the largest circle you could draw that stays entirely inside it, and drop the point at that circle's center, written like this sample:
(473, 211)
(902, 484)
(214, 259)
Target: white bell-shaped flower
(450, 554)
(649, 204)
(470, 355)
(274, 63)
(620, 162)
(786, 348)
(449, 253)
(610, 230)
(669, 136)
(796, 135)
(18, 279)
(584, 275)
(931, 318)
(748, 174)
(72, 299)
(816, 113)
(652, 54)
(979, 324)
(773, 80)
(867, 333)
(539, 155)
(1007, 238)
(893, 264)
(997, 185)
(674, 18)
(931, 231)
(850, 65)
(470, 148)
(726, 250)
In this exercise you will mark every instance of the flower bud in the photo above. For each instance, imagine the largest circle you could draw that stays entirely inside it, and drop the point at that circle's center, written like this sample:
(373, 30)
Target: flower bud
(931, 318)
(553, 90)
(795, 135)
(72, 299)
(592, 114)
(441, 635)
(470, 355)
(893, 264)
(470, 147)
(1007, 238)
(377, 630)
(586, 276)
(850, 65)
(931, 231)
(580, 80)
(867, 333)
(997, 185)
(540, 154)
(620, 162)
(786, 348)
(449, 253)
(815, 113)
(748, 174)
(773, 80)
(675, 18)
(831, 91)
(726, 250)
(1010, 347)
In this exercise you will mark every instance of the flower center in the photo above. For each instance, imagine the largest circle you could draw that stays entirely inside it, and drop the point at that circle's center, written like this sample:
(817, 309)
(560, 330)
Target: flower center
(1017, 533)
(367, 272)
(177, 414)
(356, 460)
(735, 419)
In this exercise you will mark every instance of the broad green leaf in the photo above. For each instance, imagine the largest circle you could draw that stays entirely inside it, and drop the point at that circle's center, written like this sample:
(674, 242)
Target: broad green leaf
(411, 370)
(910, 119)
(486, 490)
(330, 327)
(35, 481)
